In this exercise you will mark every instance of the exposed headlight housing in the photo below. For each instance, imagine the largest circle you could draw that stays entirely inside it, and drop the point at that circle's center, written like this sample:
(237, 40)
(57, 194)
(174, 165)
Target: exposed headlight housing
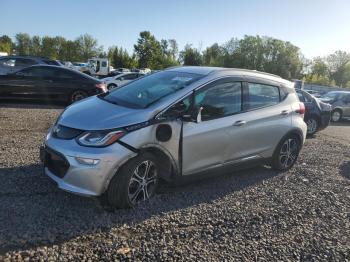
(99, 138)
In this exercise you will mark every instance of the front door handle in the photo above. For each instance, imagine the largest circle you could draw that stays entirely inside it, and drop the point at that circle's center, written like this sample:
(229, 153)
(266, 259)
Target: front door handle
(239, 123)
(285, 112)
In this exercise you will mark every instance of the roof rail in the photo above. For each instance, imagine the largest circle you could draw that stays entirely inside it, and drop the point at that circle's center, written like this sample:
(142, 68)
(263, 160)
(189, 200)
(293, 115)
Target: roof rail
(253, 71)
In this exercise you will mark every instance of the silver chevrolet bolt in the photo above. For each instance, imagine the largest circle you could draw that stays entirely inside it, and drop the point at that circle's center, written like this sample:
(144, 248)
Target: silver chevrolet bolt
(171, 124)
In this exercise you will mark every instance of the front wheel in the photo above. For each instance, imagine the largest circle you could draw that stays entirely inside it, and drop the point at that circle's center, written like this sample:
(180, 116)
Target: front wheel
(135, 183)
(286, 153)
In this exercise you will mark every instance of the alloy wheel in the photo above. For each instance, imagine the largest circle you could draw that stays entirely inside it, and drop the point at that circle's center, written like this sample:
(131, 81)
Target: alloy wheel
(143, 182)
(289, 152)
(336, 116)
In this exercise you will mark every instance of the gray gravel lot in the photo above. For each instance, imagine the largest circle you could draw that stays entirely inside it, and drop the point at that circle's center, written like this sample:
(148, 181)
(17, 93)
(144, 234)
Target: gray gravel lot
(255, 215)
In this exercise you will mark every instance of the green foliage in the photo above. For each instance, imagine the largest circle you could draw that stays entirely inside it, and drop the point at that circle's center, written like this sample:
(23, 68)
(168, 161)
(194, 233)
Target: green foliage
(261, 53)
(6, 44)
(148, 51)
(331, 70)
(120, 58)
(23, 42)
(154, 54)
(258, 53)
(191, 56)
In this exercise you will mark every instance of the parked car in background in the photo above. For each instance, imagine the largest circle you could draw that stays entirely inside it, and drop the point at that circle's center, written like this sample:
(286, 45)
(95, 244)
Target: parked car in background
(170, 124)
(314, 93)
(49, 83)
(81, 67)
(317, 113)
(10, 64)
(340, 101)
(121, 79)
(123, 70)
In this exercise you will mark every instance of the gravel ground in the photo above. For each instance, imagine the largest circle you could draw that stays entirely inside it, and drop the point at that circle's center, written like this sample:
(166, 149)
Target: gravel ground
(255, 215)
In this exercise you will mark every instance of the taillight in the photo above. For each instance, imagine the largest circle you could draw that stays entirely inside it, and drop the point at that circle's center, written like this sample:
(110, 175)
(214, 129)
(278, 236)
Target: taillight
(301, 109)
(102, 86)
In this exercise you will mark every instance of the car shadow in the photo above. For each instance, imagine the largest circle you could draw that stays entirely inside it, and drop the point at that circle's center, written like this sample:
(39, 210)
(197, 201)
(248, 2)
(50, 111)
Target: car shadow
(34, 212)
(345, 169)
(28, 104)
(343, 122)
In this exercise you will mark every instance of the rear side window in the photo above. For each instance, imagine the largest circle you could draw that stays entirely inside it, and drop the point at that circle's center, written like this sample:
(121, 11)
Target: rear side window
(219, 100)
(260, 95)
(51, 62)
(8, 62)
(25, 62)
(130, 77)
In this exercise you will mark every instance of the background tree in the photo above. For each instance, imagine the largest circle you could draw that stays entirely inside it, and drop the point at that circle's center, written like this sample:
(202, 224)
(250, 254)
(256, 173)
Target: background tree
(120, 58)
(6, 44)
(338, 67)
(87, 47)
(148, 51)
(190, 56)
(22, 44)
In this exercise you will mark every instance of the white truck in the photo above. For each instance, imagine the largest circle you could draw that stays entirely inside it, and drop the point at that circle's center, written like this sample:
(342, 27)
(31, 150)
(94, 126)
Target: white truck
(98, 67)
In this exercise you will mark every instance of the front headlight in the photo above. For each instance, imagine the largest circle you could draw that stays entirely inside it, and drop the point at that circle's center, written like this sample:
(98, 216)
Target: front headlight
(99, 138)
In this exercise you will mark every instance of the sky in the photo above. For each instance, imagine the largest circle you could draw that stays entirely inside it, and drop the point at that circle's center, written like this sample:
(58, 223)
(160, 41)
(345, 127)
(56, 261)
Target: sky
(317, 27)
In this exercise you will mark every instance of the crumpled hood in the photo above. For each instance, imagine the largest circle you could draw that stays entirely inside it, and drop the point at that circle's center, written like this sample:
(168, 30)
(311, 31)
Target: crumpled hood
(94, 113)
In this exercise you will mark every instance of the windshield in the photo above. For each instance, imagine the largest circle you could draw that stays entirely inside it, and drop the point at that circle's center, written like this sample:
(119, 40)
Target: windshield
(148, 90)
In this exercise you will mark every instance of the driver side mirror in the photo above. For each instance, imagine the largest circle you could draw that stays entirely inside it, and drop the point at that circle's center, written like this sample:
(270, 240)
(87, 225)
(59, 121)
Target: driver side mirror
(195, 117)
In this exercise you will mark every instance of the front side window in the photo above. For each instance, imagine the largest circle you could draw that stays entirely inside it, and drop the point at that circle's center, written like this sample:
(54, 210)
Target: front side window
(145, 91)
(260, 95)
(219, 100)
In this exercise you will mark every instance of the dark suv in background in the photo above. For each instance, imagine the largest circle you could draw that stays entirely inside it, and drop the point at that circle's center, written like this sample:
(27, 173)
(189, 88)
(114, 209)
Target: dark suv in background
(317, 113)
(10, 64)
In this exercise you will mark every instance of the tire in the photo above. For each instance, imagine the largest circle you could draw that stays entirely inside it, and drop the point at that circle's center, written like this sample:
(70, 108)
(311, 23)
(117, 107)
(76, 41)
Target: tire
(77, 95)
(111, 86)
(129, 186)
(336, 115)
(312, 126)
(281, 159)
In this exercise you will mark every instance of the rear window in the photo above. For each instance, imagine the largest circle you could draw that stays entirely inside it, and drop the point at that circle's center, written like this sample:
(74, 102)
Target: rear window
(51, 62)
(145, 91)
(260, 95)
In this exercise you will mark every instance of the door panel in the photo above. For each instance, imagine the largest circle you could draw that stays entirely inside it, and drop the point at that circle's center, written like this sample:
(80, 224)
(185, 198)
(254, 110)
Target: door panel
(204, 144)
(263, 130)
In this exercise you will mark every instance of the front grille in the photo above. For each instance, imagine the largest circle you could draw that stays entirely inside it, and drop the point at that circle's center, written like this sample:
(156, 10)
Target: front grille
(55, 162)
(64, 132)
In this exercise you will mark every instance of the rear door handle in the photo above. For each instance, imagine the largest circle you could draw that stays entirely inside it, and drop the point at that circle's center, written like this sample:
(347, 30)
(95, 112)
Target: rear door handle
(239, 123)
(285, 112)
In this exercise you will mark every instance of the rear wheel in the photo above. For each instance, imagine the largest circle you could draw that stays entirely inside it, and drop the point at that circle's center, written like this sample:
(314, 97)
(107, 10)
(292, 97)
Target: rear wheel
(336, 115)
(286, 153)
(312, 126)
(135, 183)
(77, 95)
(111, 86)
